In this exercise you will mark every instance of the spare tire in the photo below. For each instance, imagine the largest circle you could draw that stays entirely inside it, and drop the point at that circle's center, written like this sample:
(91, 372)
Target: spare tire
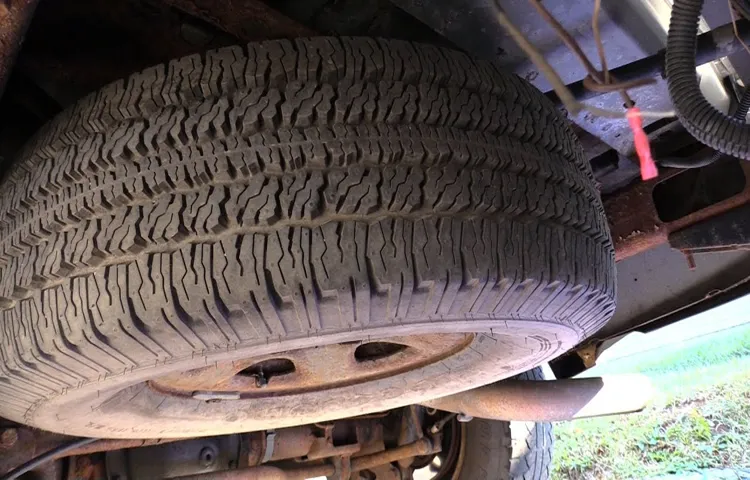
(290, 232)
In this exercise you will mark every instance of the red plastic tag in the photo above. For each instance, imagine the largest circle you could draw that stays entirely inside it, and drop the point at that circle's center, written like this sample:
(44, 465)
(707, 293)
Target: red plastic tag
(642, 147)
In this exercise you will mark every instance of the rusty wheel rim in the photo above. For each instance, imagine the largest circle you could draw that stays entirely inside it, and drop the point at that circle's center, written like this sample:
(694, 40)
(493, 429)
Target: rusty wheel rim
(314, 369)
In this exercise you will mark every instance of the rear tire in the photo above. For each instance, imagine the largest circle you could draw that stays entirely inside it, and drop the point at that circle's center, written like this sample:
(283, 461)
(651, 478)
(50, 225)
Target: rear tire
(532, 443)
(487, 451)
(286, 195)
(497, 450)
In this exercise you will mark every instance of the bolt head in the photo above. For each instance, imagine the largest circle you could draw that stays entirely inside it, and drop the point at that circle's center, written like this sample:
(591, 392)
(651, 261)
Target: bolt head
(8, 438)
(207, 457)
(463, 418)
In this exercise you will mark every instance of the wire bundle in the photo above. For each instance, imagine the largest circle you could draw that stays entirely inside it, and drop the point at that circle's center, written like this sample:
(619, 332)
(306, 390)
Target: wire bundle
(601, 81)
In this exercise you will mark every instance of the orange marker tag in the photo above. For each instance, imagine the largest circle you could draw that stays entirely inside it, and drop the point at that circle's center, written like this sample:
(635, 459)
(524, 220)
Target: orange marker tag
(642, 147)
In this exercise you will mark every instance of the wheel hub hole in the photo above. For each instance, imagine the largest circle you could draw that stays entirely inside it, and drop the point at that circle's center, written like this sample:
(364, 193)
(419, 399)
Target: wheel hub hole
(274, 367)
(207, 457)
(368, 352)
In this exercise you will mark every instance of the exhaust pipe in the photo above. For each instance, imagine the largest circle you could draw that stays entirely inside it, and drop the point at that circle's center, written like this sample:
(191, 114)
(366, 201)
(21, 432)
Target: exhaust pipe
(551, 400)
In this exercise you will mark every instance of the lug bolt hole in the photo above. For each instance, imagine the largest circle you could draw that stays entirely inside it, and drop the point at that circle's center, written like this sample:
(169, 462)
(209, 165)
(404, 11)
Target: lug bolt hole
(264, 371)
(377, 350)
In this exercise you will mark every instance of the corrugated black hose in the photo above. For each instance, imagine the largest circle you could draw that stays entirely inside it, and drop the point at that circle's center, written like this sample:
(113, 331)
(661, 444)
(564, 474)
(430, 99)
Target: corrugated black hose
(724, 134)
(740, 114)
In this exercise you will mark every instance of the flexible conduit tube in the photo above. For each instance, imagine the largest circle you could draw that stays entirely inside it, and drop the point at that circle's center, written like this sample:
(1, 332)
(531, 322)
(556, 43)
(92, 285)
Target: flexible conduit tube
(720, 132)
(702, 160)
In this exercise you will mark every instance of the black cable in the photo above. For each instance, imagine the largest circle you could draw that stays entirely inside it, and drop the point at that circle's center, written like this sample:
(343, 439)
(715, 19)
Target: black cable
(740, 114)
(48, 456)
(710, 126)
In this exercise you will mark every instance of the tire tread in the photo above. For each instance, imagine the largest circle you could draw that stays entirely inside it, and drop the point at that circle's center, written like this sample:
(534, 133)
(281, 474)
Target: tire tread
(284, 189)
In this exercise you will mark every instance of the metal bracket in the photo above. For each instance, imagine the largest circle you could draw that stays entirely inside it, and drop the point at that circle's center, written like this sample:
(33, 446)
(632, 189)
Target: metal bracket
(270, 442)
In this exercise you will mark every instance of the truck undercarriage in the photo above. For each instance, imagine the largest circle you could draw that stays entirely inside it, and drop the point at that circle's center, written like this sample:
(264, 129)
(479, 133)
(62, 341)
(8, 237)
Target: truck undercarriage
(306, 256)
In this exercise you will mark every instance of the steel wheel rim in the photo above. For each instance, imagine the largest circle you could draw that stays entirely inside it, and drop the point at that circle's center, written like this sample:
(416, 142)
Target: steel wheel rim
(314, 369)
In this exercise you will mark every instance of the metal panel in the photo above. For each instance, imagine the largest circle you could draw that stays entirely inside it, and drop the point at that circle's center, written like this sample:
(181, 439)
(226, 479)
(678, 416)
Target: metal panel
(631, 30)
(629, 34)
(728, 231)
(661, 281)
(190, 457)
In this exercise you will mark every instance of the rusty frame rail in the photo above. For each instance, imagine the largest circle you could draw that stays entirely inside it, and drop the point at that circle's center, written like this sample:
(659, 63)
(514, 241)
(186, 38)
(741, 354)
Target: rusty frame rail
(635, 223)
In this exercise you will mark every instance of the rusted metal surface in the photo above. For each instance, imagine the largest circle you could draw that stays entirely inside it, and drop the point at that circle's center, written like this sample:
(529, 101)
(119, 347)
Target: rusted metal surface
(635, 223)
(371, 437)
(588, 355)
(289, 443)
(327, 443)
(659, 279)
(243, 18)
(342, 467)
(29, 444)
(421, 447)
(320, 441)
(551, 400)
(325, 447)
(339, 447)
(424, 446)
(411, 430)
(87, 467)
(450, 462)
(8, 438)
(386, 472)
(15, 17)
(309, 445)
(188, 457)
(252, 449)
(313, 369)
(265, 473)
(110, 445)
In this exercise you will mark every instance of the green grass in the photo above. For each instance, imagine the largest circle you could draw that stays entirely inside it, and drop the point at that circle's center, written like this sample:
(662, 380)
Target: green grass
(722, 346)
(698, 419)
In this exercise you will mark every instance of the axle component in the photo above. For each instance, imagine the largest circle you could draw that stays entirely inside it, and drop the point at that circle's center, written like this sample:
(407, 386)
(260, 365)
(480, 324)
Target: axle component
(424, 446)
